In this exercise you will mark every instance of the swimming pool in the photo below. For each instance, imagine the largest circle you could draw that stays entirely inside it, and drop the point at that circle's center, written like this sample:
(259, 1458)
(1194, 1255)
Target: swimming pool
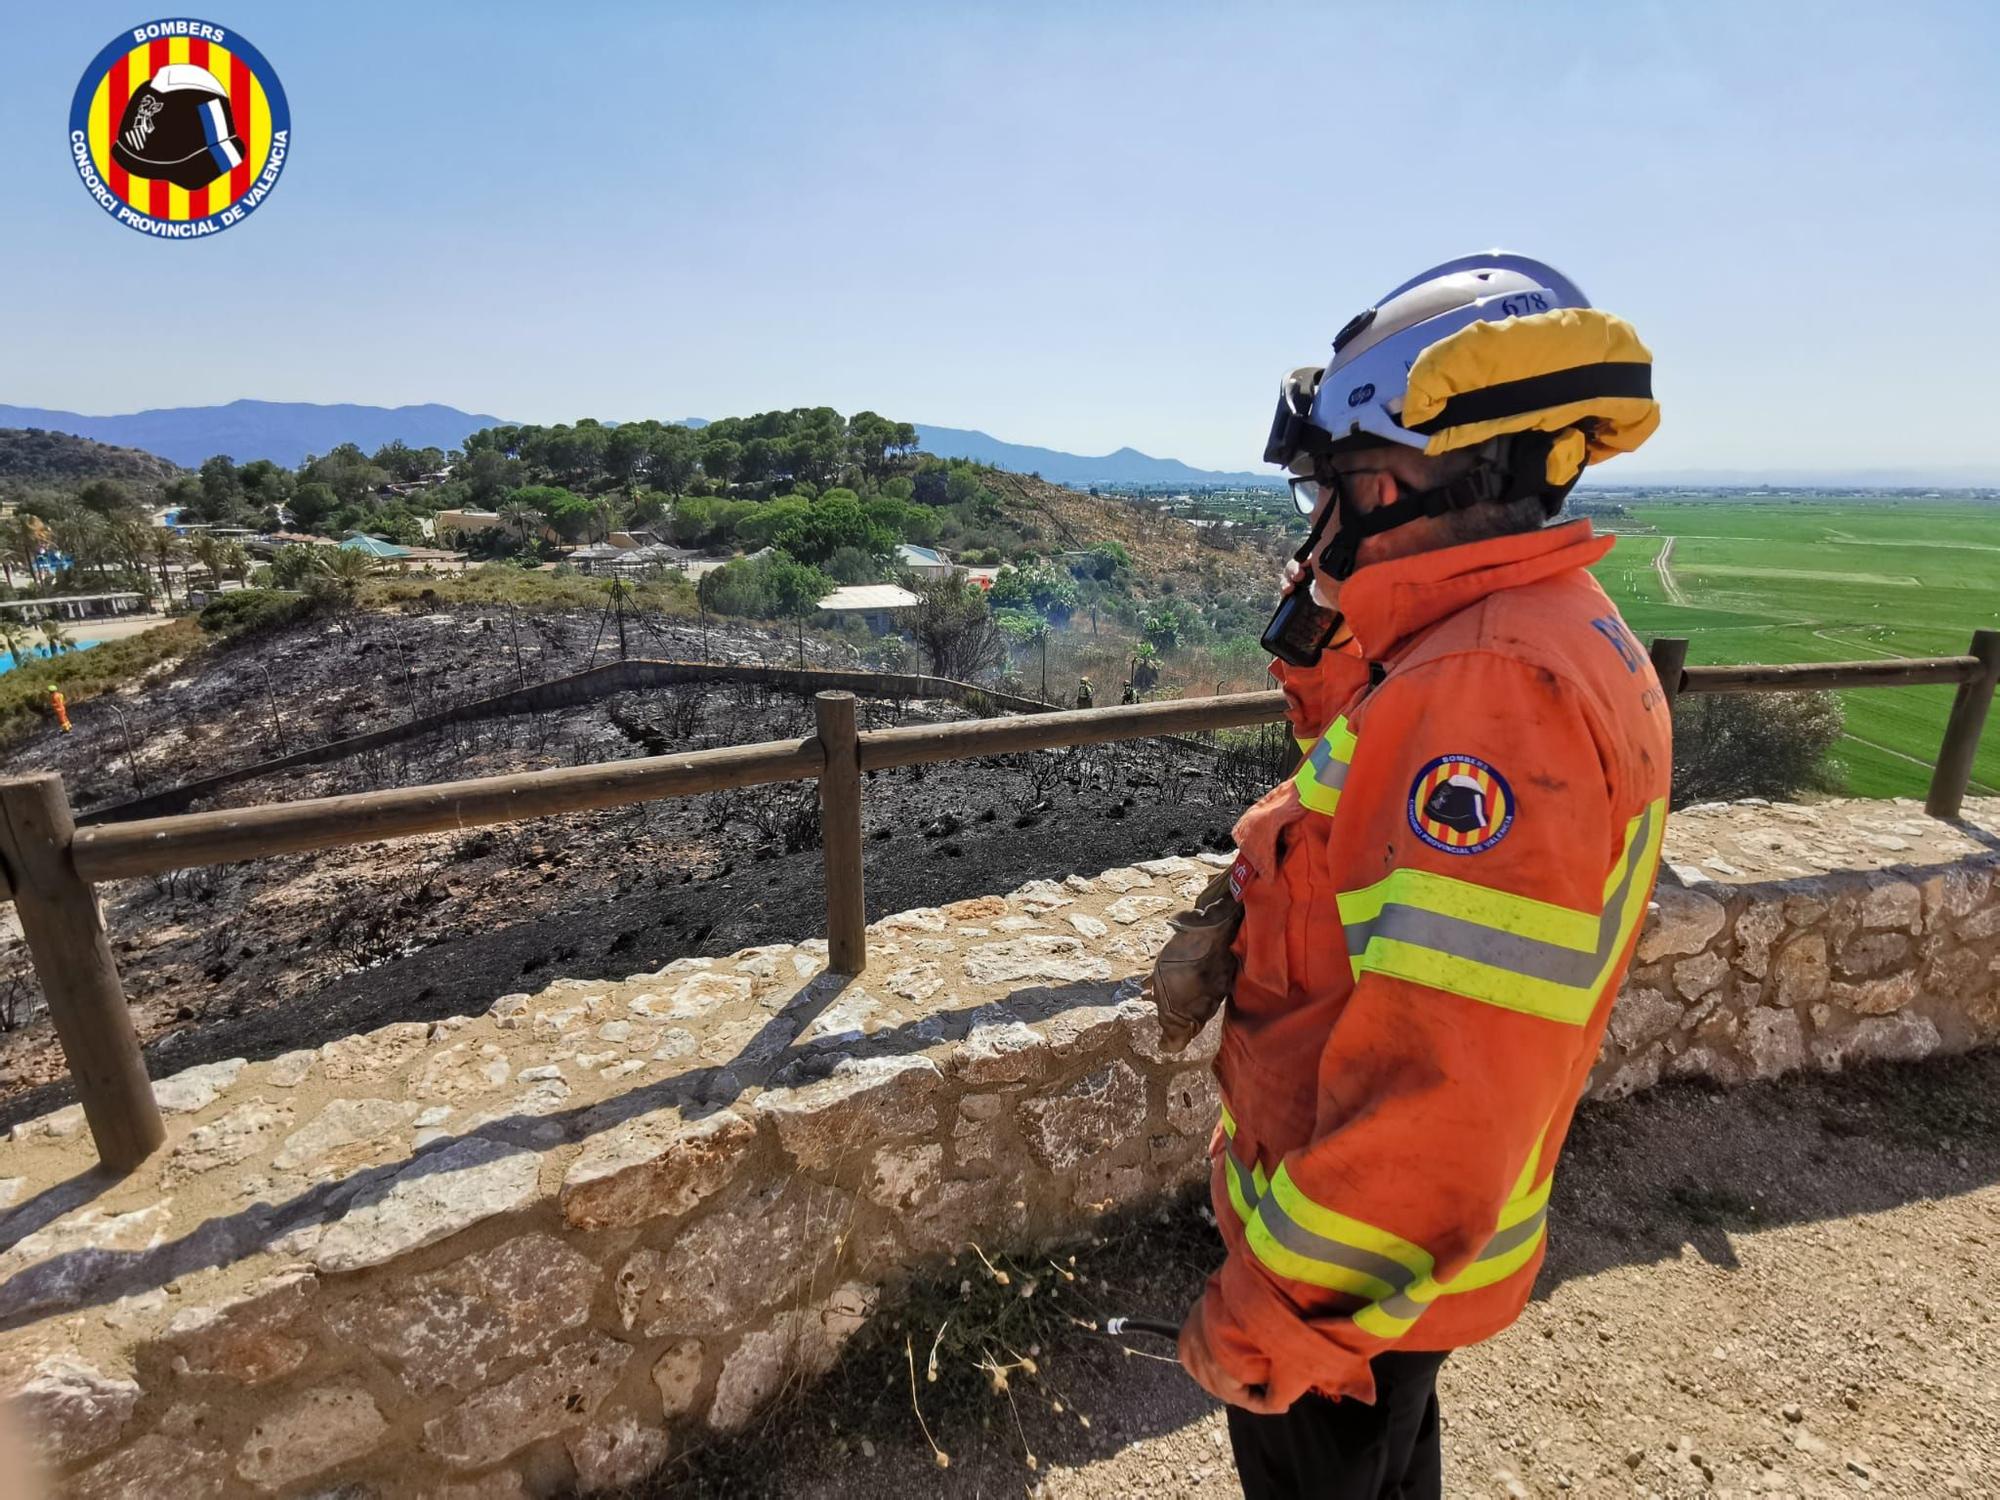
(41, 653)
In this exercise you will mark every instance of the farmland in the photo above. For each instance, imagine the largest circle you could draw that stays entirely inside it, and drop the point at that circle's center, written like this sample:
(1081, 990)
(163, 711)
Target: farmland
(1835, 580)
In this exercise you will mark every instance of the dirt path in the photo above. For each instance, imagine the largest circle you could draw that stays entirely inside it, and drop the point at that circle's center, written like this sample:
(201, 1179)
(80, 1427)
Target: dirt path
(1785, 1289)
(1663, 565)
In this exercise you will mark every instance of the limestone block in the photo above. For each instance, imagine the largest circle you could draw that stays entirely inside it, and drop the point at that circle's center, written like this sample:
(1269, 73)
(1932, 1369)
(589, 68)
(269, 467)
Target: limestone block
(1774, 1041)
(196, 1088)
(1083, 1029)
(1893, 903)
(1087, 926)
(1697, 976)
(1958, 977)
(999, 1050)
(1635, 1073)
(449, 1327)
(538, 1403)
(232, 1137)
(316, 1431)
(348, 1133)
(654, 1164)
(431, 1199)
(864, 1100)
(1640, 1015)
(461, 1071)
(617, 1454)
(290, 1069)
(70, 1409)
(1142, 1035)
(154, 1467)
(900, 1177)
(1129, 909)
(699, 994)
(1981, 925)
(1954, 894)
(63, 1262)
(1193, 1102)
(58, 1124)
(374, 1053)
(805, 1342)
(1878, 997)
(1053, 959)
(1092, 1117)
(251, 1338)
(677, 1375)
(1800, 971)
(1869, 953)
(1103, 1186)
(1043, 895)
(1762, 922)
(1903, 1037)
(978, 909)
(1122, 880)
(1682, 922)
(717, 1276)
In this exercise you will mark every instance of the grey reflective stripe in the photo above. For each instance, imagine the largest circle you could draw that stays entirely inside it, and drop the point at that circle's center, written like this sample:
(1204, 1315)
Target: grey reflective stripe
(1479, 943)
(1246, 1185)
(1328, 772)
(1303, 1241)
(1515, 1235)
(1405, 1308)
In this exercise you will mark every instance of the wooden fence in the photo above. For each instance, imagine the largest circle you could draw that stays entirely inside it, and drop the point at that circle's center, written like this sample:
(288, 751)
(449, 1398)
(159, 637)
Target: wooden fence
(50, 866)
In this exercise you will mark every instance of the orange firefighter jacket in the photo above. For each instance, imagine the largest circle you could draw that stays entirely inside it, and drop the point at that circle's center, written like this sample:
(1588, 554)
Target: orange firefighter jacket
(1438, 909)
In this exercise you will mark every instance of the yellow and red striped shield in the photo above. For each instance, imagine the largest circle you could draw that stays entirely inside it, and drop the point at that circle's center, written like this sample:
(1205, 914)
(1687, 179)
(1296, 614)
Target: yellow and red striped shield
(1460, 804)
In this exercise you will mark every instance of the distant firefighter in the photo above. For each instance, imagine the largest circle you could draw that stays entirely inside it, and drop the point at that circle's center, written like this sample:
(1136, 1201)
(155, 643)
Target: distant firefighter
(60, 706)
(1085, 698)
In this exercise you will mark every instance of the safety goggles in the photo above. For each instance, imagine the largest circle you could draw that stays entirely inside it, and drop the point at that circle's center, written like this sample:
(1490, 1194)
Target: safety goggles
(1292, 430)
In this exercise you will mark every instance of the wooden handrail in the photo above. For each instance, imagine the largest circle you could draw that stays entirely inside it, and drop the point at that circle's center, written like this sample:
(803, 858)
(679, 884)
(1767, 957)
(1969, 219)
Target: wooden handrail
(919, 744)
(151, 846)
(1804, 676)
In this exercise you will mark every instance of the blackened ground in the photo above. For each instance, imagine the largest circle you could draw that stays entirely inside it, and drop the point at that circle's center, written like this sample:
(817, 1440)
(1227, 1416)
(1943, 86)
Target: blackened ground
(256, 959)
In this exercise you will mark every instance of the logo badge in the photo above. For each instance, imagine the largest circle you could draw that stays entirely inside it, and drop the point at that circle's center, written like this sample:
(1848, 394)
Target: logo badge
(179, 129)
(1361, 395)
(1460, 804)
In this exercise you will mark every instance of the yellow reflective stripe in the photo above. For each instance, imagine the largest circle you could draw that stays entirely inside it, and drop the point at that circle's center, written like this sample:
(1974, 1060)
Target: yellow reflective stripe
(1323, 772)
(1523, 1226)
(1492, 946)
(1299, 1239)
(1426, 890)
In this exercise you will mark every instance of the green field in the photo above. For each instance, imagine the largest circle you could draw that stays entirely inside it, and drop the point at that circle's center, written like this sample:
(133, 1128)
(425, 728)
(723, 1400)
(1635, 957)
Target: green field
(1834, 580)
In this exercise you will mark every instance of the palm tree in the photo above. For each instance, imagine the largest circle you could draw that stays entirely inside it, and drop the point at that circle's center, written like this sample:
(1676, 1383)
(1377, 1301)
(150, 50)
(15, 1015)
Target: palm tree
(339, 573)
(57, 637)
(167, 549)
(21, 541)
(520, 518)
(15, 639)
(208, 552)
(235, 562)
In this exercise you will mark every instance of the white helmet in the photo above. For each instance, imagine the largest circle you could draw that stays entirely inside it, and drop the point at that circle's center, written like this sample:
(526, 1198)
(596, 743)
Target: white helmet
(1467, 351)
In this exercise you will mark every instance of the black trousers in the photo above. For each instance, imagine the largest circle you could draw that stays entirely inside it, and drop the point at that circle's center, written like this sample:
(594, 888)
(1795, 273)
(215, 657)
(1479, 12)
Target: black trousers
(1344, 1450)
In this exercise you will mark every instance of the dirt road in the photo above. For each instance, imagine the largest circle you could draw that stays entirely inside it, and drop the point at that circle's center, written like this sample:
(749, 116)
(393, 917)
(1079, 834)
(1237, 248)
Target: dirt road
(1663, 565)
(1786, 1289)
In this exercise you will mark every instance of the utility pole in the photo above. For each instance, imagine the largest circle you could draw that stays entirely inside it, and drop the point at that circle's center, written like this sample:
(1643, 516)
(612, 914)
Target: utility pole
(514, 629)
(270, 697)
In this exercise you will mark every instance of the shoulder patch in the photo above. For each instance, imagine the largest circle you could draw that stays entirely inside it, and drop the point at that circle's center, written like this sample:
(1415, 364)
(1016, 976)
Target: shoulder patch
(1461, 805)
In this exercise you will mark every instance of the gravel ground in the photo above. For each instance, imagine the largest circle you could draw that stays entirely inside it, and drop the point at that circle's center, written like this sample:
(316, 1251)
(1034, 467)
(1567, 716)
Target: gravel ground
(1786, 1289)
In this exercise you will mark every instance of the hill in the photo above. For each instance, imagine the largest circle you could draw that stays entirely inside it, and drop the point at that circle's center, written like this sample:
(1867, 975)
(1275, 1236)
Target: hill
(30, 457)
(1125, 466)
(282, 431)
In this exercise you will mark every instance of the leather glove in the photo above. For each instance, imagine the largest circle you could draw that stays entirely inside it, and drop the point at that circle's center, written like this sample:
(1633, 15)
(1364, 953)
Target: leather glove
(1196, 969)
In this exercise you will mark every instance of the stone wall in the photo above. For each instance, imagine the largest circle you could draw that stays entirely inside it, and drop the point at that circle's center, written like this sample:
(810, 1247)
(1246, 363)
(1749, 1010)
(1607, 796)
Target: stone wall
(501, 1254)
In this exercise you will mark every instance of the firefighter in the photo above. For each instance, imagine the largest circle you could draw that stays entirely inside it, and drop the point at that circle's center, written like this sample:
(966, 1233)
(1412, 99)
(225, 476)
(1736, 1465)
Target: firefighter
(59, 706)
(1085, 697)
(1420, 939)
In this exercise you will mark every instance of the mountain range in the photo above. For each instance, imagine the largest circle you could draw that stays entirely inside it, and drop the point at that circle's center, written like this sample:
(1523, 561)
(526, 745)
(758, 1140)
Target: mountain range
(286, 431)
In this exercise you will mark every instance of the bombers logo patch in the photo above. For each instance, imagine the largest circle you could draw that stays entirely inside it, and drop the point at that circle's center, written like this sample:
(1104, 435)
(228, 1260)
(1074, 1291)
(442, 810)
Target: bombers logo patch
(179, 129)
(1461, 805)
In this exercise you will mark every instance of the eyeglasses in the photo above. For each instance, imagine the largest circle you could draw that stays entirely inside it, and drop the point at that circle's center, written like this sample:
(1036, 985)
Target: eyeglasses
(1307, 494)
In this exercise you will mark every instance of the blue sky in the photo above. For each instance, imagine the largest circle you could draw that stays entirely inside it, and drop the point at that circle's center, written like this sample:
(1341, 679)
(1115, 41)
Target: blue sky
(1076, 225)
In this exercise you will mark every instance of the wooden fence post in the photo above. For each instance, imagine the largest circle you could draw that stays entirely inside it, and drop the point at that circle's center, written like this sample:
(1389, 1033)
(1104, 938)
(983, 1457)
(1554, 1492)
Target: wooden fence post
(840, 825)
(1961, 730)
(1670, 654)
(66, 939)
